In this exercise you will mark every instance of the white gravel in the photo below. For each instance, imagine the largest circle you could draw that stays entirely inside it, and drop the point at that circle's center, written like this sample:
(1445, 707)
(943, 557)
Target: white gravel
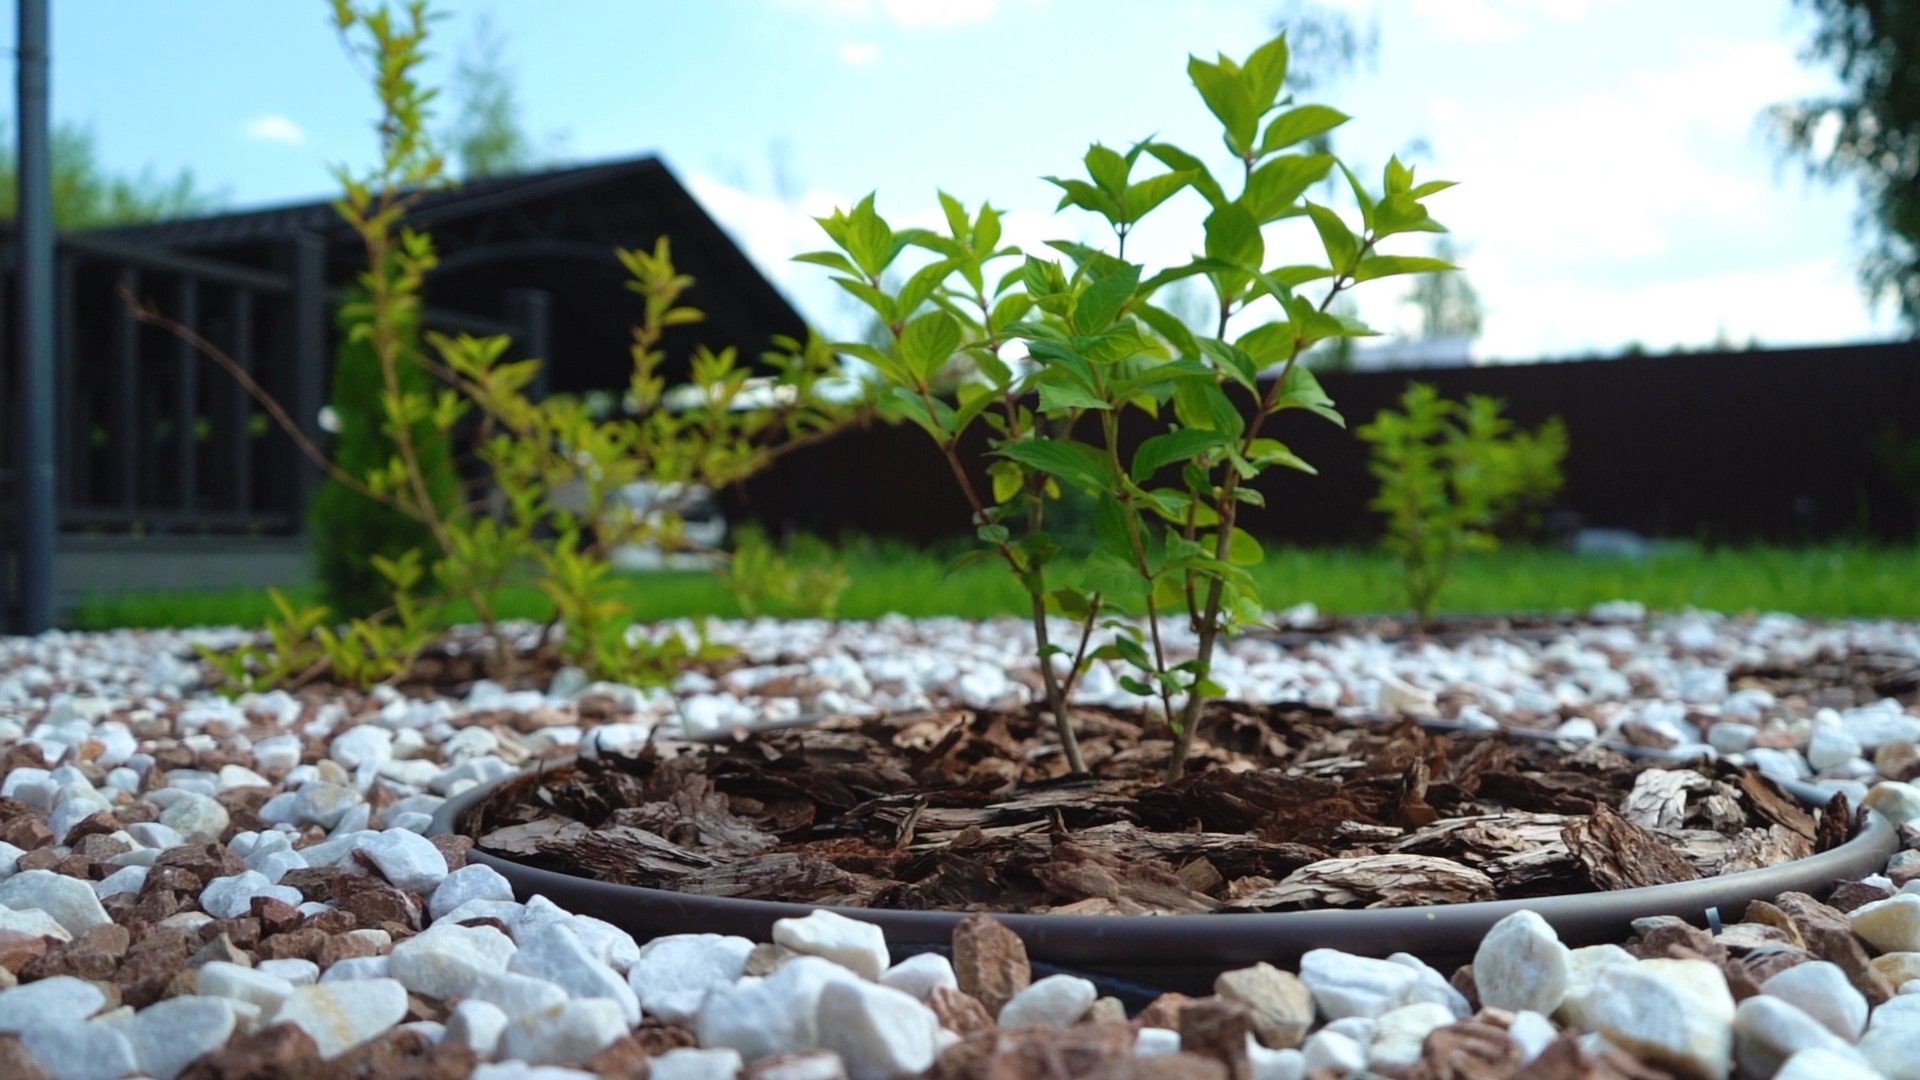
(123, 718)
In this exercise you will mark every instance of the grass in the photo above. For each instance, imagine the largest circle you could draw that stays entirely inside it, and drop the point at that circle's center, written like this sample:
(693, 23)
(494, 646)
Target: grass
(1824, 581)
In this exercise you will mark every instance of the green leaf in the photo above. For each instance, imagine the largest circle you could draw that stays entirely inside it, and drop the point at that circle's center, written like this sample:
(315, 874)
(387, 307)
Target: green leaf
(1168, 326)
(1101, 303)
(1151, 192)
(1243, 549)
(1265, 72)
(1075, 463)
(1180, 161)
(1110, 524)
(1200, 403)
(1234, 236)
(1379, 266)
(1108, 169)
(1085, 196)
(1298, 125)
(869, 240)
(1230, 99)
(1276, 186)
(1302, 390)
(1179, 444)
(1061, 394)
(1342, 246)
(1265, 452)
(993, 534)
(832, 260)
(1360, 196)
(1231, 359)
(929, 342)
(921, 286)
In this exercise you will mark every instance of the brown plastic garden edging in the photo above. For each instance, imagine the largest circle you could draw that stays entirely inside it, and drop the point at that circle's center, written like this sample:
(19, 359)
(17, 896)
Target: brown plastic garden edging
(1185, 952)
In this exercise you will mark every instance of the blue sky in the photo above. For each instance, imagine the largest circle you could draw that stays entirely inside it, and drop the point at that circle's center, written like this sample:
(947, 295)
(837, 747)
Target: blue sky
(1616, 181)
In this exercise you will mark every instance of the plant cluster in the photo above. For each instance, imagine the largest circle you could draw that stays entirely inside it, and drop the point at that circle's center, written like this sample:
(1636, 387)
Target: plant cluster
(553, 469)
(1070, 343)
(1455, 478)
(806, 579)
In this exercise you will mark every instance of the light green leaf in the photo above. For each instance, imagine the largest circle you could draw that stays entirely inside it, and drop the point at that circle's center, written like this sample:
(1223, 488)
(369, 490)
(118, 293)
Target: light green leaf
(1162, 450)
(929, 342)
(1342, 246)
(1230, 99)
(1180, 161)
(1379, 266)
(1265, 72)
(1297, 125)
(1097, 307)
(1075, 463)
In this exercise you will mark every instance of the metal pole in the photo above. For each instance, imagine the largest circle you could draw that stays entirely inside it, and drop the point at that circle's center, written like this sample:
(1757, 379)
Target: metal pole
(37, 420)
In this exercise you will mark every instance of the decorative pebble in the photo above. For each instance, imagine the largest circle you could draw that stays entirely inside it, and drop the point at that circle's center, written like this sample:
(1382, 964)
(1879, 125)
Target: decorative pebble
(1822, 1064)
(1822, 991)
(1768, 1030)
(1677, 1013)
(688, 1063)
(920, 974)
(569, 1033)
(672, 975)
(475, 881)
(60, 999)
(477, 1025)
(880, 1032)
(448, 959)
(1347, 985)
(70, 901)
(252, 985)
(860, 947)
(1890, 925)
(1279, 1006)
(168, 1035)
(1521, 964)
(774, 1015)
(554, 952)
(406, 859)
(80, 1051)
(342, 1015)
(1055, 1001)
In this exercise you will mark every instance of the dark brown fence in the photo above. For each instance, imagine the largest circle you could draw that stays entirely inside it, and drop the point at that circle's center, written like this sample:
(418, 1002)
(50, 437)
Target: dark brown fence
(154, 437)
(1760, 445)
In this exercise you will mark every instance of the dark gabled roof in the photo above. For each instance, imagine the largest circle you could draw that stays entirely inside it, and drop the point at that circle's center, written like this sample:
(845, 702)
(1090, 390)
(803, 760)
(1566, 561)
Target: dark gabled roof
(468, 199)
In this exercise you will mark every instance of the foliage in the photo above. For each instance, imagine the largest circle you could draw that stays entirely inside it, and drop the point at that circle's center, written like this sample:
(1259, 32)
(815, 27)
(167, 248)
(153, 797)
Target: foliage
(486, 135)
(1451, 477)
(1869, 131)
(559, 468)
(1097, 346)
(808, 581)
(1844, 580)
(351, 528)
(87, 196)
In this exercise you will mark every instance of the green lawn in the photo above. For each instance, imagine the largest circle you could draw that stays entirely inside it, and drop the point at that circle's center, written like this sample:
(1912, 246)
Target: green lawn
(1829, 581)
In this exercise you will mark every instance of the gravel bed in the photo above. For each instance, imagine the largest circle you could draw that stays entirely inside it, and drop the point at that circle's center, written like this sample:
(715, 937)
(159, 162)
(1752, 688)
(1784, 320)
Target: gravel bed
(198, 887)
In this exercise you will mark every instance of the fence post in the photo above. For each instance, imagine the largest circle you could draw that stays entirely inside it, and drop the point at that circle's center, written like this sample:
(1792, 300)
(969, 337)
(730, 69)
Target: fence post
(34, 468)
(239, 451)
(186, 401)
(126, 395)
(531, 311)
(308, 257)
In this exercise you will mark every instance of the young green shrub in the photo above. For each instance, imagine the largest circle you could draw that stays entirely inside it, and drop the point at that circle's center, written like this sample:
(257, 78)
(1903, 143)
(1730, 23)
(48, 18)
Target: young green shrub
(1097, 343)
(806, 580)
(349, 528)
(1453, 479)
(560, 465)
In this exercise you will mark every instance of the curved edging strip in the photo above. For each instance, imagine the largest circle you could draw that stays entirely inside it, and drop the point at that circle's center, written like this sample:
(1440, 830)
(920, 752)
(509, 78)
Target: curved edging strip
(1185, 952)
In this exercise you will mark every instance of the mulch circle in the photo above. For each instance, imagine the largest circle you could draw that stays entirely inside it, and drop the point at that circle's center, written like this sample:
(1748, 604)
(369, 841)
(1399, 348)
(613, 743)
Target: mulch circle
(1285, 808)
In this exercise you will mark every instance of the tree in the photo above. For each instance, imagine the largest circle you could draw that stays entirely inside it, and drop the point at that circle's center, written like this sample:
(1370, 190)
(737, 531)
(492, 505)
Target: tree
(1869, 132)
(486, 136)
(87, 196)
(1325, 44)
(1447, 303)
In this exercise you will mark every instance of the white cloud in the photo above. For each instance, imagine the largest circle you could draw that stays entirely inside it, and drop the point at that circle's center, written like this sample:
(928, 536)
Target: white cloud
(1814, 302)
(1479, 21)
(912, 13)
(275, 128)
(858, 53)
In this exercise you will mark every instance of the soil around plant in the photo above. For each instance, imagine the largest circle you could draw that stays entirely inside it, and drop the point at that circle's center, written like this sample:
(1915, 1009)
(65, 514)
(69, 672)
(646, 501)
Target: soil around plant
(1285, 808)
